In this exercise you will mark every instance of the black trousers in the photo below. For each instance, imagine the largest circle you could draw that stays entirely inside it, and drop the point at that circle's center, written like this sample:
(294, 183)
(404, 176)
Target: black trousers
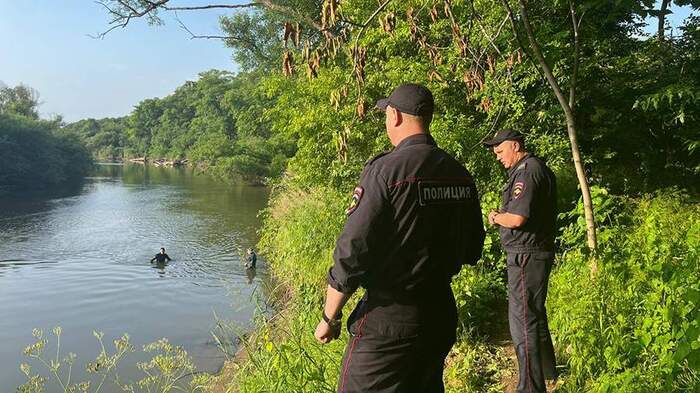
(398, 348)
(528, 277)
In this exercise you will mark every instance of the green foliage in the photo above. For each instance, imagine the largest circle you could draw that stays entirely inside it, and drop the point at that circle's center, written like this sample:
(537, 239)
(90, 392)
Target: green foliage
(217, 122)
(636, 109)
(105, 138)
(20, 100)
(34, 156)
(635, 327)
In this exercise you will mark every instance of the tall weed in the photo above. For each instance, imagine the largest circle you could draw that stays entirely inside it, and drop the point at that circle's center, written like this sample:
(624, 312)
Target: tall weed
(634, 326)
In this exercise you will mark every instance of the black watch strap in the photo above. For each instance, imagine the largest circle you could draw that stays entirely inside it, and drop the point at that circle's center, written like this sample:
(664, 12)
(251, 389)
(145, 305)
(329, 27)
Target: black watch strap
(333, 321)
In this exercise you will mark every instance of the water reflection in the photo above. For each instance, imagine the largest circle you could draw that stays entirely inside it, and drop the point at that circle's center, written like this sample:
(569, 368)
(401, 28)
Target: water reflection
(160, 266)
(250, 273)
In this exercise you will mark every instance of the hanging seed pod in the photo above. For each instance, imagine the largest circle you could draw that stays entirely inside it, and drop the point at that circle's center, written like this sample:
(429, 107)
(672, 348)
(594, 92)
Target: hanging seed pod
(520, 58)
(434, 56)
(448, 9)
(360, 108)
(486, 104)
(434, 14)
(306, 51)
(453, 68)
(456, 31)
(389, 22)
(324, 16)
(479, 79)
(463, 47)
(412, 27)
(468, 81)
(359, 56)
(335, 100)
(330, 12)
(317, 60)
(288, 31)
(434, 75)
(510, 61)
(297, 35)
(288, 64)
(491, 61)
(345, 91)
(342, 144)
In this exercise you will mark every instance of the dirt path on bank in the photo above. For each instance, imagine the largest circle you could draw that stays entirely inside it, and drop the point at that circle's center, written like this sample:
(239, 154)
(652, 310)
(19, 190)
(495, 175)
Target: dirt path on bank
(501, 340)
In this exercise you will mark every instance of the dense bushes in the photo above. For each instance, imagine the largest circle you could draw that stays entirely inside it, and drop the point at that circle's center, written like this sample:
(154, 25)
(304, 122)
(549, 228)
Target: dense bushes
(33, 157)
(216, 121)
(635, 325)
(631, 327)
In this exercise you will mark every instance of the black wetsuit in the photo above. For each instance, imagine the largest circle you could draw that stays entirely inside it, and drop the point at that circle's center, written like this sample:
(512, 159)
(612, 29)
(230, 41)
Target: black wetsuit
(530, 192)
(252, 259)
(161, 258)
(414, 221)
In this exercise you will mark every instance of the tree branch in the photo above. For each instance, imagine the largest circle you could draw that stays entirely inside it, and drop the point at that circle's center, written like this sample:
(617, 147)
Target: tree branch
(575, 22)
(210, 6)
(123, 11)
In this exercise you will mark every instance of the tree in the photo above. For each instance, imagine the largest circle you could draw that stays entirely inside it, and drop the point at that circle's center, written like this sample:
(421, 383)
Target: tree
(19, 100)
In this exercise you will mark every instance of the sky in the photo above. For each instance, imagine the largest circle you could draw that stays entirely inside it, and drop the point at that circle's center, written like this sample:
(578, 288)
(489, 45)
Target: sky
(45, 44)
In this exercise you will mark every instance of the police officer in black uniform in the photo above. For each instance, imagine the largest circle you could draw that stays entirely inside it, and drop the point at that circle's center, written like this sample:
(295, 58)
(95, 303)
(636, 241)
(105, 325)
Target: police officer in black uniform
(527, 224)
(414, 221)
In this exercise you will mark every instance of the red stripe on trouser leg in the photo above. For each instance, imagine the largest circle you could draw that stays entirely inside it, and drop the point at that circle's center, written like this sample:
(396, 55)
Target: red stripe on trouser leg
(525, 320)
(352, 347)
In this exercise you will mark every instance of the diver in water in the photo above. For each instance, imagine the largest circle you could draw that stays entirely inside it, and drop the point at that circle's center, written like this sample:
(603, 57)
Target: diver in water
(251, 259)
(161, 257)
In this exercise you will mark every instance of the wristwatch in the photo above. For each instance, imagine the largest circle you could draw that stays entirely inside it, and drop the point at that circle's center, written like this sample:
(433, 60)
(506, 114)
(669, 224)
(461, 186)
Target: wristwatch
(335, 322)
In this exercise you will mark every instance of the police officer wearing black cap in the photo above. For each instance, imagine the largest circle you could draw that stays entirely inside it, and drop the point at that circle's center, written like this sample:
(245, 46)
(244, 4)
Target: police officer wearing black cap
(527, 224)
(414, 221)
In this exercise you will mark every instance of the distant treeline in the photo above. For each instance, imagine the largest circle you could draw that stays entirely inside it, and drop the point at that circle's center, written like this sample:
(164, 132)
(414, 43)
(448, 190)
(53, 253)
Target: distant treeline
(35, 155)
(217, 122)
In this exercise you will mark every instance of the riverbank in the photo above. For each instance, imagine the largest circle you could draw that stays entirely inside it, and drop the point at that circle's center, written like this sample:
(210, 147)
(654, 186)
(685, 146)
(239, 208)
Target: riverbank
(610, 331)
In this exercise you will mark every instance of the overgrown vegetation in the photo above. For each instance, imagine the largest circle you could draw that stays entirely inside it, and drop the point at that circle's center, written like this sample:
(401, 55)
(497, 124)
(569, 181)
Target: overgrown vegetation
(631, 326)
(216, 122)
(35, 156)
(170, 369)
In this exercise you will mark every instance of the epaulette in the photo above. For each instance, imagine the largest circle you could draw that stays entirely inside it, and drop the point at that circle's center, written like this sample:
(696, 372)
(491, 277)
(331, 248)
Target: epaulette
(523, 164)
(375, 158)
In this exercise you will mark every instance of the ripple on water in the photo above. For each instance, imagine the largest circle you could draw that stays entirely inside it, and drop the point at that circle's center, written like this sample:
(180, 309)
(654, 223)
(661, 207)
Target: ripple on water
(82, 262)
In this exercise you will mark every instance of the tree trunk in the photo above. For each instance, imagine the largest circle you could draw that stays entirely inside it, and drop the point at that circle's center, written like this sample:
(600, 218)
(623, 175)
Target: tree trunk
(662, 18)
(570, 123)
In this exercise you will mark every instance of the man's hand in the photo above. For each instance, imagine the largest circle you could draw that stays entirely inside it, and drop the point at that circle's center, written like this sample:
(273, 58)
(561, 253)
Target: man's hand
(492, 217)
(325, 333)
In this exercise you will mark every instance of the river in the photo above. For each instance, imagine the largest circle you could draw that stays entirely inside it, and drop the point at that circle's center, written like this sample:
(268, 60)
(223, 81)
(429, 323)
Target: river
(81, 261)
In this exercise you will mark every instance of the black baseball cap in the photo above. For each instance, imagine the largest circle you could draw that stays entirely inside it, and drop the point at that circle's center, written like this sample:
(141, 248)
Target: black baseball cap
(410, 98)
(506, 134)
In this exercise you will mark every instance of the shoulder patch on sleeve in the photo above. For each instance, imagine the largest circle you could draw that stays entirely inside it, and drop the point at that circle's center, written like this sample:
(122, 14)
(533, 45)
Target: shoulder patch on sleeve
(356, 198)
(518, 188)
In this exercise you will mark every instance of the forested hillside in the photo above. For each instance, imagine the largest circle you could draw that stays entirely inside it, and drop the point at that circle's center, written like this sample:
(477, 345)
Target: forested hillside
(216, 122)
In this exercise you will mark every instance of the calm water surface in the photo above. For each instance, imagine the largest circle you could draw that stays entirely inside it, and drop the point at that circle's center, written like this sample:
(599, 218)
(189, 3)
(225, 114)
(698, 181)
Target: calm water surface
(81, 261)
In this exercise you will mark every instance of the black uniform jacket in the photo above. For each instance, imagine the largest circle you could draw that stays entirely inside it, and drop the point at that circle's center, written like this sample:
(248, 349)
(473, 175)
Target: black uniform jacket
(531, 192)
(415, 220)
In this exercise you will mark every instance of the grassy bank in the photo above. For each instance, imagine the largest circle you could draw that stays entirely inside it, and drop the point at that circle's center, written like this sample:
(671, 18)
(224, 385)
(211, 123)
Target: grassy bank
(631, 327)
